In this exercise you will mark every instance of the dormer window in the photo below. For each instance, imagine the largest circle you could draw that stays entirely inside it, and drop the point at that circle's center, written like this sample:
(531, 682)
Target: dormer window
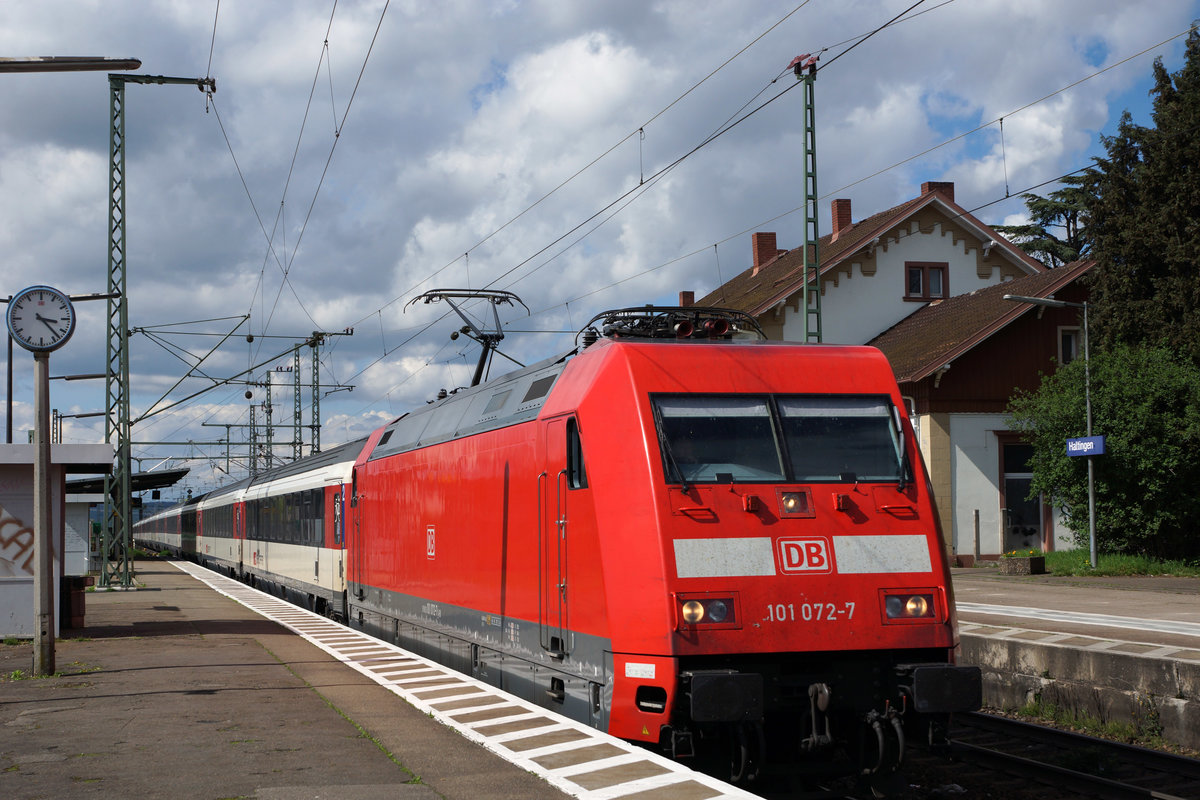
(925, 281)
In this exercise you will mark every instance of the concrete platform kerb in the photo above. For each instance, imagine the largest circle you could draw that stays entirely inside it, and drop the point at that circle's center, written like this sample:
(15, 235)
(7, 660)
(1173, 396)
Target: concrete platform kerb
(1140, 667)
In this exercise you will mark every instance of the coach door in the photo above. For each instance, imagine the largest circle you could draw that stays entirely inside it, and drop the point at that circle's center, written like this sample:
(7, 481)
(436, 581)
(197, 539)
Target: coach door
(354, 537)
(239, 534)
(553, 538)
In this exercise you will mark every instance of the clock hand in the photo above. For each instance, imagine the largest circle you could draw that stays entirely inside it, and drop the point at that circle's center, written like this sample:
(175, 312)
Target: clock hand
(47, 322)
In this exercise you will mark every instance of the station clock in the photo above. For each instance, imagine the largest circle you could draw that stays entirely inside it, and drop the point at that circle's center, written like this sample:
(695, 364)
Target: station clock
(41, 318)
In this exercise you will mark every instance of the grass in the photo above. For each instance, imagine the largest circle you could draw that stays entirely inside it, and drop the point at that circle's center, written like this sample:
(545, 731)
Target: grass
(1145, 730)
(76, 668)
(1081, 722)
(1078, 562)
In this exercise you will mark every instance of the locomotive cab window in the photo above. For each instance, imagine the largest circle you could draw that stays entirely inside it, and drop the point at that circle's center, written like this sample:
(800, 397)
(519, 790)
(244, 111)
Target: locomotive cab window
(841, 438)
(783, 438)
(717, 439)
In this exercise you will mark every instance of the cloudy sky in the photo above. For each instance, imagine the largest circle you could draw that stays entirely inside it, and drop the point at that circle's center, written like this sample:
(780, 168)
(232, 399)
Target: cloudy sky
(360, 152)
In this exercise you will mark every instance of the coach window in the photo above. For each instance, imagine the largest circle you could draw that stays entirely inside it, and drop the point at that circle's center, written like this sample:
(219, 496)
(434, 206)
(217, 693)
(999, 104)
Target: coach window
(319, 515)
(576, 474)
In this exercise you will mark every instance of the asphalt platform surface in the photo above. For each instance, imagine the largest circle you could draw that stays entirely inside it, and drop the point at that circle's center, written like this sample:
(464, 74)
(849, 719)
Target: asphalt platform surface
(1157, 598)
(176, 691)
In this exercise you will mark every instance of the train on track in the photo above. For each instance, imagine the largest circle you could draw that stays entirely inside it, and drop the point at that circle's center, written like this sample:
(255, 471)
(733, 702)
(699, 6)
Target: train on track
(676, 532)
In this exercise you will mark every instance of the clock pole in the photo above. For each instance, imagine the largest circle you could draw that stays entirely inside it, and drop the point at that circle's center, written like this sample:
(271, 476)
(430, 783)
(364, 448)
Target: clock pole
(25, 325)
(43, 532)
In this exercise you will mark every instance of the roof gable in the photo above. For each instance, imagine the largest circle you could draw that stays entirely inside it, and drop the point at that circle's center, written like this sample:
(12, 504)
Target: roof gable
(938, 333)
(758, 289)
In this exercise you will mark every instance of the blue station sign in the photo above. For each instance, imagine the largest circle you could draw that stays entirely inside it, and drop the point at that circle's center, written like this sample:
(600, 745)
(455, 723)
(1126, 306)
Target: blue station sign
(1086, 446)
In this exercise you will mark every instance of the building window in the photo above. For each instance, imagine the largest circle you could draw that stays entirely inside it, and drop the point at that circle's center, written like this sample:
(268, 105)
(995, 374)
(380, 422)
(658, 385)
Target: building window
(925, 281)
(1068, 345)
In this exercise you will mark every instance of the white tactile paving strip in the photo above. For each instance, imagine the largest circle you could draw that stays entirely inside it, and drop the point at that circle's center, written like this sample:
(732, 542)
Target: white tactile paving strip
(578, 760)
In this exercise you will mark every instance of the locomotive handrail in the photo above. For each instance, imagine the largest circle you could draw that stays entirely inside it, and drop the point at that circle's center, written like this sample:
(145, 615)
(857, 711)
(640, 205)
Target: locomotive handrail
(560, 483)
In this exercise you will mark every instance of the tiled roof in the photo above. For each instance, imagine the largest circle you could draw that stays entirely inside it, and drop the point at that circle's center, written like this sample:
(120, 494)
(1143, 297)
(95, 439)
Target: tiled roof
(935, 335)
(782, 276)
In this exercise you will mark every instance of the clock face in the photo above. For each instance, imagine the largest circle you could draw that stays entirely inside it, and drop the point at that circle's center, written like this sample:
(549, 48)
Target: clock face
(41, 318)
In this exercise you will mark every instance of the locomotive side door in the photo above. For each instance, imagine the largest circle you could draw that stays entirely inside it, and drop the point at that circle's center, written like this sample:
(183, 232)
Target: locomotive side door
(552, 539)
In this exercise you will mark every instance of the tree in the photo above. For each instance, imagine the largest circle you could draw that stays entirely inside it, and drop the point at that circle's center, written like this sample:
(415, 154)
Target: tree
(1144, 220)
(1147, 403)
(1063, 210)
(1141, 216)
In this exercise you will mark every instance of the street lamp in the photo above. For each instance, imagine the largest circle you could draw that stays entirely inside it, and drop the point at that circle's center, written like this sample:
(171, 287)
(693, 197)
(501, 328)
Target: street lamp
(1087, 394)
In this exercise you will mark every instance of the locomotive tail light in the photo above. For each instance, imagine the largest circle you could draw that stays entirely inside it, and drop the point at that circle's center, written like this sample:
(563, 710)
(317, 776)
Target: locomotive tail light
(706, 611)
(910, 606)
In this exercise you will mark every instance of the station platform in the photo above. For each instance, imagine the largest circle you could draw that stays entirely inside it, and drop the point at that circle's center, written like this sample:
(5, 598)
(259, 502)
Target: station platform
(194, 685)
(1123, 649)
(183, 688)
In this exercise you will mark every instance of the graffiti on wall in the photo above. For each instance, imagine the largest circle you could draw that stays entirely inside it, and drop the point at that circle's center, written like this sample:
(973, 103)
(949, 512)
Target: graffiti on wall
(16, 547)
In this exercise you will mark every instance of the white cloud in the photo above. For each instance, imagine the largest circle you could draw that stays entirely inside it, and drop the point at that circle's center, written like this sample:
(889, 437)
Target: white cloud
(467, 117)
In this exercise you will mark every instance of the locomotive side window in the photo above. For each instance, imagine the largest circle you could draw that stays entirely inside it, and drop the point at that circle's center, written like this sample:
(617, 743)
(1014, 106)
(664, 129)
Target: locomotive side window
(715, 439)
(832, 438)
(576, 474)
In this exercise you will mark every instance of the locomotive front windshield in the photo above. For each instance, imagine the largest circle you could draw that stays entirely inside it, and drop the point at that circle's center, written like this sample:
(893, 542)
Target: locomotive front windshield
(779, 438)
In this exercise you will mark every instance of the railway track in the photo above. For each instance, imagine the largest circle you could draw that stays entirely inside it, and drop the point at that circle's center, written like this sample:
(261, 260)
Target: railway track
(996, 758)
(1029, 758)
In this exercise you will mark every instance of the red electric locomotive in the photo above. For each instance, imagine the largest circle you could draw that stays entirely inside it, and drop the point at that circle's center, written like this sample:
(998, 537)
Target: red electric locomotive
(712, 545)
(725, 548)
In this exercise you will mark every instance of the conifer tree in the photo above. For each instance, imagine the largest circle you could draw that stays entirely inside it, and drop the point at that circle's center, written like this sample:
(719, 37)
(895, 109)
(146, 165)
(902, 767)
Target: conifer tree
(1142, 212)
(1144, 220)
(1056, 233)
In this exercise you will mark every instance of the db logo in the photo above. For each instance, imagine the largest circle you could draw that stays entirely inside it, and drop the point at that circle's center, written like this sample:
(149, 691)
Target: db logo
(804, 555)
(430, 542)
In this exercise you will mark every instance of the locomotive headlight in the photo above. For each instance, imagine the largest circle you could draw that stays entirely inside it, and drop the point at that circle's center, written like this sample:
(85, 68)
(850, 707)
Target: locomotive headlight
(795, 503)
(916, 606)
(693, 612)
(906, 606)
(707, 610)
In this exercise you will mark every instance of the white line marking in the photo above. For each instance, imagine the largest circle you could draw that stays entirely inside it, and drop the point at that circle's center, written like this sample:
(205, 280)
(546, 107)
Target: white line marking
(1080, 618)
(300, 621)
